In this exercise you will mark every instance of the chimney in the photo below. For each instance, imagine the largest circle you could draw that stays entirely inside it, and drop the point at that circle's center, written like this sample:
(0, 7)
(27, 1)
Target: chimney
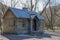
(24, 8)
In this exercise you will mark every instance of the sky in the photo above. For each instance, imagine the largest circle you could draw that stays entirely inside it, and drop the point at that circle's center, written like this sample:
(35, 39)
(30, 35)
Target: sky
(19, 5)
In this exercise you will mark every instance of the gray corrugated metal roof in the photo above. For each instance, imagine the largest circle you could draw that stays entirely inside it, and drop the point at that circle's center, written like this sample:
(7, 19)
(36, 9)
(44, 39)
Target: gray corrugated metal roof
(25, 14)
(35, 13)
(19, 13)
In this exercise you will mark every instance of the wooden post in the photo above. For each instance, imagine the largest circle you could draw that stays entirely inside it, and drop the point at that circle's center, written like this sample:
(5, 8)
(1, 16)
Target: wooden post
(31, 25)
(31, 22)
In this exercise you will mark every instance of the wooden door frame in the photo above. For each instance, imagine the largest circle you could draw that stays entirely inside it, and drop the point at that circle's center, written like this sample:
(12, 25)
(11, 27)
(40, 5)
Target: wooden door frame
(32, 24)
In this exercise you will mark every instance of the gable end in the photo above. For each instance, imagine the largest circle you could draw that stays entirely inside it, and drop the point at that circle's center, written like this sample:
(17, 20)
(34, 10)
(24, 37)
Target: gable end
(9, 13)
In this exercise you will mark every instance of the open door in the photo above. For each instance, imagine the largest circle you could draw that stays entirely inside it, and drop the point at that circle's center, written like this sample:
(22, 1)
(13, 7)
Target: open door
(34, 25)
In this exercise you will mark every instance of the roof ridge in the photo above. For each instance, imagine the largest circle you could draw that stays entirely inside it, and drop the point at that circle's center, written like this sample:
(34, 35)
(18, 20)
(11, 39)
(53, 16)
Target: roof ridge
(20, 13)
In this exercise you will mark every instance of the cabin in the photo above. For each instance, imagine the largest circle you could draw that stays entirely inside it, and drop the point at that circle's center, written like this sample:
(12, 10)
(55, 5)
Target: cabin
(22, 21)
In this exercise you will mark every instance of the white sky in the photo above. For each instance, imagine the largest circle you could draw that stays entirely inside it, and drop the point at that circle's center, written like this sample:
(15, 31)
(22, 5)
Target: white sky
(19, 5)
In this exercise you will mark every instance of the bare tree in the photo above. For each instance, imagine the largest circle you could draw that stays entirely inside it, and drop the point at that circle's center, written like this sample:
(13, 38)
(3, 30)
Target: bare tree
(14, 3)
(51, 19)
(30, 5)
(44, 8)
(53, 12)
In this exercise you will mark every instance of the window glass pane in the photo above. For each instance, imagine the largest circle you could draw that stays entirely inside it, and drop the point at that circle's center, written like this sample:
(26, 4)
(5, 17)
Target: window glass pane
(24, 24)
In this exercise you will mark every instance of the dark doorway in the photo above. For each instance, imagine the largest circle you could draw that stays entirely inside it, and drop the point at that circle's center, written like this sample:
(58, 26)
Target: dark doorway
(34, 24)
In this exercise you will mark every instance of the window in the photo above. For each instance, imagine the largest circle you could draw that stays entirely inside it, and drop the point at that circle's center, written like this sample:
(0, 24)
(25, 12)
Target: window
(23, 24)
(14, 22)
